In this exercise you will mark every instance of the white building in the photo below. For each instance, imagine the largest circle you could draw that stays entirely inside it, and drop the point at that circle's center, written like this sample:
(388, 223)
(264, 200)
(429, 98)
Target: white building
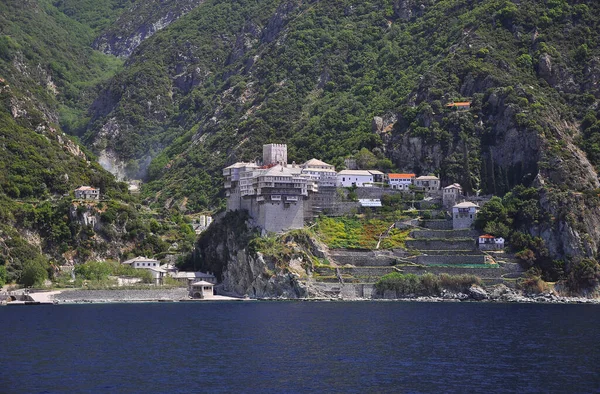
(401, 181)
(463, 215)
(201, 289)
(322, 173)
(451, 194)
(201, 223)
(151, 265)
(87, 193)
(273, 194)
(358, 178)
(187, 278)
(489, 242)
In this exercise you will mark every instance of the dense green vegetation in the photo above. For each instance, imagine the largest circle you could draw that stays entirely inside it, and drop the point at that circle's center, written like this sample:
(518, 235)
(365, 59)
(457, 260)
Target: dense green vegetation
(425, 285)
(314, 75)
(229, 76)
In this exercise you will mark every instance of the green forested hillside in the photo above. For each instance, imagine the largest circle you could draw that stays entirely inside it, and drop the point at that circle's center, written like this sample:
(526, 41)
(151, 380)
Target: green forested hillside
(208, 85)
(49, 75)
(228, 77)
(333, 78)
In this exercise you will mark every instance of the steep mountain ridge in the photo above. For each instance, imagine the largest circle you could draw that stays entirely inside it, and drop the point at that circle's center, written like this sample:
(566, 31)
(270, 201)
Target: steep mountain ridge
(206, 83)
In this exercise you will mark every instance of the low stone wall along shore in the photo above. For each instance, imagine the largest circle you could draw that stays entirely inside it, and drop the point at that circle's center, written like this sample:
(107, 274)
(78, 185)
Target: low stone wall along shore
(122, 295)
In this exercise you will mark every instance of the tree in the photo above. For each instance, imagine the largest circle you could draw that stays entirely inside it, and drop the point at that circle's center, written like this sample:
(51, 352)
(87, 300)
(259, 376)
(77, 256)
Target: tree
(34, 273)
(492, 211)
(3, 275)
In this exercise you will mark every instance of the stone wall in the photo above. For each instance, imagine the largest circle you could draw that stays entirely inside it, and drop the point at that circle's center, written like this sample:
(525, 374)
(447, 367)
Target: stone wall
(437, 224)
(446, 234)
(439, 244)
(375, 192)
(366, 272)
(451, 259)
(403, 225)
(342, 208)
(362, 258)
(277, 216)
(491, 272)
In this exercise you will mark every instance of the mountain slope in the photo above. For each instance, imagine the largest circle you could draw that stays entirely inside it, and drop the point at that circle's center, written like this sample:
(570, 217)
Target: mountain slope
(332, 78)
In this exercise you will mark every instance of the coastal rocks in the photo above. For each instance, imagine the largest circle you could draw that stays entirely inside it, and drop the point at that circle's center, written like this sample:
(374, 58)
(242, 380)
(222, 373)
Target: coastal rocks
(477, 293)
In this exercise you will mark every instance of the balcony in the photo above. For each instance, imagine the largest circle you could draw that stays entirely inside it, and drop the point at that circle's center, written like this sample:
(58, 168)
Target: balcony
(276, 197)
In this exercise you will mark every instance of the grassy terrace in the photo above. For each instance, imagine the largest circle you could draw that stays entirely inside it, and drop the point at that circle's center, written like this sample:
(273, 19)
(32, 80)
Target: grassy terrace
(358, 233)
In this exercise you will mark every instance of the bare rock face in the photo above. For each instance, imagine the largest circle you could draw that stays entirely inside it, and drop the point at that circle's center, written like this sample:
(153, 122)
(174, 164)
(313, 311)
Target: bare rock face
(545, 68)
(225, 250)
(140, 23)
(279, 20)
(406, 9)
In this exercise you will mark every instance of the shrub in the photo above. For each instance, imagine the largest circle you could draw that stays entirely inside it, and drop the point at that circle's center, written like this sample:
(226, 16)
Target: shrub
(584, 275)
(532, 283)
(427, 284)
(34, 273)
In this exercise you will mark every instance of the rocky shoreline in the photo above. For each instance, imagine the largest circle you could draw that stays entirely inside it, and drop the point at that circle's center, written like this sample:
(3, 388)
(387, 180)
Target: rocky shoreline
(496, 294)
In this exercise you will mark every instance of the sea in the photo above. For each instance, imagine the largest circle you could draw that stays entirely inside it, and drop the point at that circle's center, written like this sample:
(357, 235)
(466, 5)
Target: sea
(300, 347)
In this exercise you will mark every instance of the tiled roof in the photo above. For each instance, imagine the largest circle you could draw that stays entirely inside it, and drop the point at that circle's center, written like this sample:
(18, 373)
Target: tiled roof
(401, 176)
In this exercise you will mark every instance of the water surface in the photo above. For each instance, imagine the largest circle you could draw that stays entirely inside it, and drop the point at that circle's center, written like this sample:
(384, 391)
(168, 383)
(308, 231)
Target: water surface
(273, 347)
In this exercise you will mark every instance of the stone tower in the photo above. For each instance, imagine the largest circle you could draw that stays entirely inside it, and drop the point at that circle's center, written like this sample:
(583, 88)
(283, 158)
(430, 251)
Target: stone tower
(274, 154)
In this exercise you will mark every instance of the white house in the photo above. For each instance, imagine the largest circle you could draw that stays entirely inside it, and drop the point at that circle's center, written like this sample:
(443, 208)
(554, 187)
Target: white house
(87, 193)
(358, 178)
(151, 265)
(489, 242)
(463, 215)
(401, 181)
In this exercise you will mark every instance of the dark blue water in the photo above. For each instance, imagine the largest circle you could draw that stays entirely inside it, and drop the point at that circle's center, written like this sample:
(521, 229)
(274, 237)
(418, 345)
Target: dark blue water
(275, 347)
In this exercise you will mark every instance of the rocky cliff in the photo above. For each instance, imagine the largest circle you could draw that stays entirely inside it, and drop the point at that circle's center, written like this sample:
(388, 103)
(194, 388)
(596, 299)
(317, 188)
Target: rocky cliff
(142, 20)
(250, 265)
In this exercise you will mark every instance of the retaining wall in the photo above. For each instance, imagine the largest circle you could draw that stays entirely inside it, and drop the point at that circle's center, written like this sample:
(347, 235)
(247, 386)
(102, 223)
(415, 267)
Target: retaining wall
(450, 259)
(366, 258)
(447, 234)
(440, 244)
(492, 272)
(437, 224)
(342, 208)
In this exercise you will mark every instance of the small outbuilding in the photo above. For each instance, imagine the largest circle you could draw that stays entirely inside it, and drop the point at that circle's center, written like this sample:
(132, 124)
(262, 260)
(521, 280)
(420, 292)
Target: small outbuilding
(201, 289)
(87, 193)
(489, 242)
